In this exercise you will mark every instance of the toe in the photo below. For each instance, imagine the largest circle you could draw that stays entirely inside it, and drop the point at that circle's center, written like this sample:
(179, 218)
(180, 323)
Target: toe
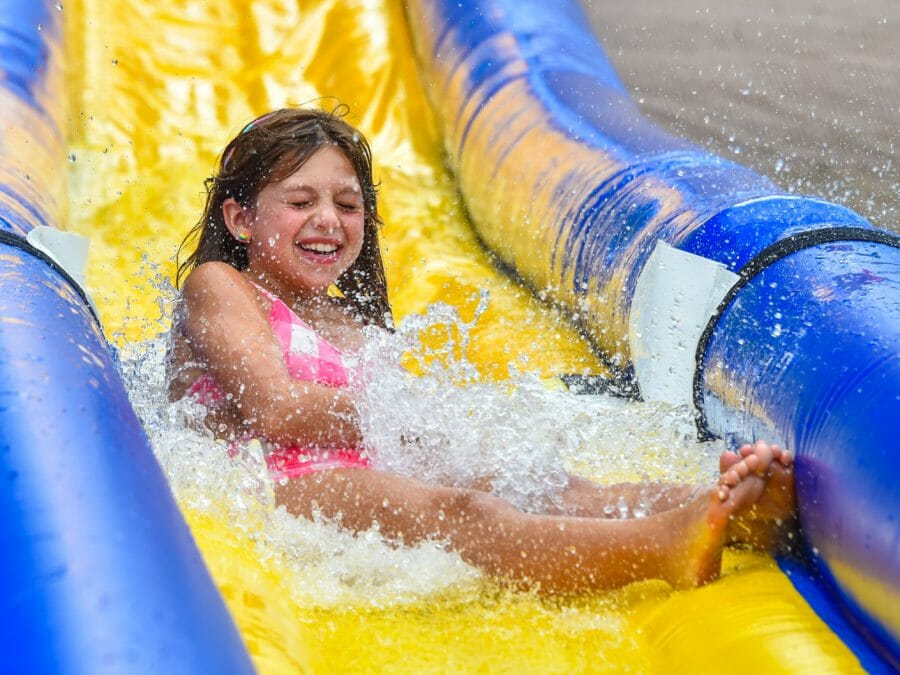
(727, 460)
(752, 463)
(731, 477)
(764, 453)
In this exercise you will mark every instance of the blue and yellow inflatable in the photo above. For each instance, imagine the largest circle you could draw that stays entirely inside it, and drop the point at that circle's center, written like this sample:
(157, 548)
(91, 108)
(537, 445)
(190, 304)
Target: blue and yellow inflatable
(787, 327)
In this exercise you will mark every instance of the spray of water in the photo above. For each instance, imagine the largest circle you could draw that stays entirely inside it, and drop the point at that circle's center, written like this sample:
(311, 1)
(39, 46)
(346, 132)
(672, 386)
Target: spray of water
(521, 437)
(444, 426)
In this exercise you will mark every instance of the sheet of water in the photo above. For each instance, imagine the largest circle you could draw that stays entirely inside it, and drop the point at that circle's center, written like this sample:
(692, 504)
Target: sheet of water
(445, 426)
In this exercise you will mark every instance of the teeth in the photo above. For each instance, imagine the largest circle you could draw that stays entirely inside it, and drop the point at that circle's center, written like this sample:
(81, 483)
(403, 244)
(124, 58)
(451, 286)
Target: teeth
(320, 248)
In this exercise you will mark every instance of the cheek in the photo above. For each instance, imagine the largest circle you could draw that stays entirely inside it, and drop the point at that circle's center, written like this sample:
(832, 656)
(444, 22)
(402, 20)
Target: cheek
(268, 242)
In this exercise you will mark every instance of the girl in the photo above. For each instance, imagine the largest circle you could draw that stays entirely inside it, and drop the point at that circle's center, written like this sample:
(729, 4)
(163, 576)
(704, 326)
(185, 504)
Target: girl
(267, 345)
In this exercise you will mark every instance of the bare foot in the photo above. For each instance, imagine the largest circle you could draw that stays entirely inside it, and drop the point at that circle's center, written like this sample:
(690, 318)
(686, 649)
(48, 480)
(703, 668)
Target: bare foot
(707, 518)
(778, 501)
(765, 526)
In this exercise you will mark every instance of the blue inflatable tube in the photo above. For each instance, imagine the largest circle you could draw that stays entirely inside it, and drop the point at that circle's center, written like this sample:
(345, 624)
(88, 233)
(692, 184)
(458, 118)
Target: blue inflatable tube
(98, 570)
(576, 192)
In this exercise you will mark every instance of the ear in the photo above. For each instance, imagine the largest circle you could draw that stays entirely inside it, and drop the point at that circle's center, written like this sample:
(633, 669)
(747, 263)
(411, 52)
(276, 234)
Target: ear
(237, 219)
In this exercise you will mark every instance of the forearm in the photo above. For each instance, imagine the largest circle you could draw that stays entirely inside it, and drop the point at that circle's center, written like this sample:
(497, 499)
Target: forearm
(305, 414)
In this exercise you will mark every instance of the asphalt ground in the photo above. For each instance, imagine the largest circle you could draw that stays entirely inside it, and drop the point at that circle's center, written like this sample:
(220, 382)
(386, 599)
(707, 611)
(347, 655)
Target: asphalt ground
(806, 92)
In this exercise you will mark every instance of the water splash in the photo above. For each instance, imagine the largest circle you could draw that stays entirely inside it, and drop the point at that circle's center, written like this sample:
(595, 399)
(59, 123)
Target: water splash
(322, 564)
(448, 427)
(521, 437)
(445, 426)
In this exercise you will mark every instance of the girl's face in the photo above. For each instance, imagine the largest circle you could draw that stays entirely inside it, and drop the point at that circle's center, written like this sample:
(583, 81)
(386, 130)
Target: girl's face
(306, 230)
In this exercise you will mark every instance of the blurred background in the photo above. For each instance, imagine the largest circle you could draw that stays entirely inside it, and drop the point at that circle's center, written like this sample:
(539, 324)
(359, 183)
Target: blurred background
(806, 92)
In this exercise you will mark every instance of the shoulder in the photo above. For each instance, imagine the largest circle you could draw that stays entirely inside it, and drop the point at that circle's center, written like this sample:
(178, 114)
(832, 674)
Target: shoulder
(214, 279)
(213, 274)
(218, 287)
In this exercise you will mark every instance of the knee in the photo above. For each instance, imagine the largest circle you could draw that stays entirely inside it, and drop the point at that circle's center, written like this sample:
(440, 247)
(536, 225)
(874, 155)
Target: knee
(476, 513)
(458, 507)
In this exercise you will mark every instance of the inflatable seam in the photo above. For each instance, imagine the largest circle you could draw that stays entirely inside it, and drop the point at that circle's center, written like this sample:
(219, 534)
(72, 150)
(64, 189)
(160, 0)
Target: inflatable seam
(23, 245)
(768, 256)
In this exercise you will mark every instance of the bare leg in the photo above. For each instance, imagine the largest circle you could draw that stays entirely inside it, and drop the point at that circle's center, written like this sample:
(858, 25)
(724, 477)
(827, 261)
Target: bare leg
(586, 498)
(552, 553)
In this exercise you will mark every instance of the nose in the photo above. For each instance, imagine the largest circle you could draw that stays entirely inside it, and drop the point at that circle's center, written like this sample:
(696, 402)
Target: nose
(327, 218)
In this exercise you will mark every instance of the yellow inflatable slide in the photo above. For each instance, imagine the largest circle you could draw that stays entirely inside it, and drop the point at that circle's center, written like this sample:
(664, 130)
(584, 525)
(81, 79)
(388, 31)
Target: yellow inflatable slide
(155, 89)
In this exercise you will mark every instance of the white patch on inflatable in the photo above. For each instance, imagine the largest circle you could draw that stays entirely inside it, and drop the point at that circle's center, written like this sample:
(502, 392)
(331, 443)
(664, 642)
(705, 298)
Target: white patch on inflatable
(676, 294)
(67, 249)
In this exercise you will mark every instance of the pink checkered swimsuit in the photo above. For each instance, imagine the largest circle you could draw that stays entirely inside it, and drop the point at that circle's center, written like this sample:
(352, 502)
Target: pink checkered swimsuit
(311, 358)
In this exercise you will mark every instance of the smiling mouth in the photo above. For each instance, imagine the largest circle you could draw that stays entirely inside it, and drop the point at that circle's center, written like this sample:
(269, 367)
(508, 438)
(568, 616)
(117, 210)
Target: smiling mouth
(319, 248)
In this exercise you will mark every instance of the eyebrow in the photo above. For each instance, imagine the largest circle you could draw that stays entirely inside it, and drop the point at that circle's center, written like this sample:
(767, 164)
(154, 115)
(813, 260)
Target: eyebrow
(341, 187)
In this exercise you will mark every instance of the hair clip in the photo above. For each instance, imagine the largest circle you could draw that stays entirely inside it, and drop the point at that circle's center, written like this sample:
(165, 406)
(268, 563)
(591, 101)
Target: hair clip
(258, 120)
(248, 127)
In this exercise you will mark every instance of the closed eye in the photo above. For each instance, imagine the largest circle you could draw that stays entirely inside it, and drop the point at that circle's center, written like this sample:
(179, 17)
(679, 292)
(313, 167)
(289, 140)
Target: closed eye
(349, 207)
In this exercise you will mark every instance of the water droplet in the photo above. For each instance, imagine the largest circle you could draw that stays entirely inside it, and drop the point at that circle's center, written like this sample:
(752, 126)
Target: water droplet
(622, 507)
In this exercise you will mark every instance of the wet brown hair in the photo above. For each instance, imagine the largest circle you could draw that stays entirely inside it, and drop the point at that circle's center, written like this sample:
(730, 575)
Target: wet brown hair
(268, 150)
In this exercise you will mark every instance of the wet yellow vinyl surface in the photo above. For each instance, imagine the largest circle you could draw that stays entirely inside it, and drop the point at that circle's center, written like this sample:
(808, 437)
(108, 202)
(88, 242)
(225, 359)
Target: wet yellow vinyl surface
(156, 89)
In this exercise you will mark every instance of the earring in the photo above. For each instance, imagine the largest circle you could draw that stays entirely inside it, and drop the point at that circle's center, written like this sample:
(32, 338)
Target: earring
(243, 236)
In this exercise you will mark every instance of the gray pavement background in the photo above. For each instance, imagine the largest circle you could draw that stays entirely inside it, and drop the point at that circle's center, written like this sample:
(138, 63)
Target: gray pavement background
(806, 92)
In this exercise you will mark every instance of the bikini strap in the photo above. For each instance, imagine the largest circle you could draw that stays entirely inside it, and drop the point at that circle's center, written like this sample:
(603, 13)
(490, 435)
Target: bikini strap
(278, 302)
(270, 296)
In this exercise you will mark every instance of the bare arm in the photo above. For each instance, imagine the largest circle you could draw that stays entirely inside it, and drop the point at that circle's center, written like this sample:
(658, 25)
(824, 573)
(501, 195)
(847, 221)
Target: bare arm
(228, 330)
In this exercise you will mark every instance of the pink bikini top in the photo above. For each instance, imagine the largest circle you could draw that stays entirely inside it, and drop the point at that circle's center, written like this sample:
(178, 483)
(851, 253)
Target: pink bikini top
(307, 355)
